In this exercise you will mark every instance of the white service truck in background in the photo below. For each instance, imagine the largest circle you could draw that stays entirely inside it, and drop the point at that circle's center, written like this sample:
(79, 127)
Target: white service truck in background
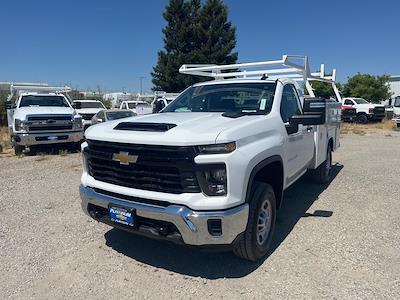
(365, 111)
(41, 115)
(162, 99)
(87, 110)
(139, 107)
(211, 169)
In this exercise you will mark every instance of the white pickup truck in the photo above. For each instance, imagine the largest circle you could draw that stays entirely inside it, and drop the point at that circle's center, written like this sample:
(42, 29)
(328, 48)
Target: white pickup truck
(87, 109)
(365, 111)
(211, 168)
(41, 115)
(137, 106)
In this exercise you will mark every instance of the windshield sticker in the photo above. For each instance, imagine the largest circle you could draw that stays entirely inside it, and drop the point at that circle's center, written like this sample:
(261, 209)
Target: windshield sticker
(263, 103)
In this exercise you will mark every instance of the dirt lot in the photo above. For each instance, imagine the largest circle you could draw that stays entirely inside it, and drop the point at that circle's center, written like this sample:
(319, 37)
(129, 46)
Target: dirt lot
(337, 241)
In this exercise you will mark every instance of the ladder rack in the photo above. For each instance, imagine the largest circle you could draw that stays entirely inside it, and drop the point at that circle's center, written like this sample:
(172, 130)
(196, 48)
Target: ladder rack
(17, 89)
(287, 67)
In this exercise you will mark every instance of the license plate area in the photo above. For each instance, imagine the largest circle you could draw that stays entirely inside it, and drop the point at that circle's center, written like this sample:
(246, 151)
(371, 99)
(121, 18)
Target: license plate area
(122, 215)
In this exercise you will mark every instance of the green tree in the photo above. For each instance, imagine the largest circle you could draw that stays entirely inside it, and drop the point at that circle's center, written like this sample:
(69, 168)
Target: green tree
(324, 89)
(215, 35)
(3, 112)
(194, 34)
(372, 88)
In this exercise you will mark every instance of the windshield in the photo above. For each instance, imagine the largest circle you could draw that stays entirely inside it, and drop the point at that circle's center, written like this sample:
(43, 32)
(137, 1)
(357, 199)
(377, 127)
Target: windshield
(91, 105)
(361, 101)
(114, 115)
(43, 101)
(397, 102)
(246, 98)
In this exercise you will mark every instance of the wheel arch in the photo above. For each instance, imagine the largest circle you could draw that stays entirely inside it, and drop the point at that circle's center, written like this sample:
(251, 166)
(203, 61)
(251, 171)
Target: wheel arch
(271, 171)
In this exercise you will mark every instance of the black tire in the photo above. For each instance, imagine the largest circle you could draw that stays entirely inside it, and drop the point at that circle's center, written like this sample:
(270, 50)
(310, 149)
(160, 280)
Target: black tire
(362, 119)
(323, 173)
(249, 246)
(18, 149)
(398, 125)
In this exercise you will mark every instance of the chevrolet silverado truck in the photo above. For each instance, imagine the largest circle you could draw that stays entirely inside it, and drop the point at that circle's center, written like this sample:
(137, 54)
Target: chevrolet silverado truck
(41, 115)
(87, 110)
(211, 169)
(365, 111)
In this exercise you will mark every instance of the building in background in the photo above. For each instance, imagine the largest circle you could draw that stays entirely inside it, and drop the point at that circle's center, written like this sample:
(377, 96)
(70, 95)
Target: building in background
(394, 84)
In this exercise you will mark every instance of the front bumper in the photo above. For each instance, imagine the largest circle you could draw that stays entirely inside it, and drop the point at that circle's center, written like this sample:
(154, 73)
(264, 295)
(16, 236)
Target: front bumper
(377, 116)
(29, 139)
(193, 226)
(396, 120)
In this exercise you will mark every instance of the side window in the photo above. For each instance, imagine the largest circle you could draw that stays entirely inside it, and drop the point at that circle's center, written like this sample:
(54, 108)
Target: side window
(348, 102)
(290, 104)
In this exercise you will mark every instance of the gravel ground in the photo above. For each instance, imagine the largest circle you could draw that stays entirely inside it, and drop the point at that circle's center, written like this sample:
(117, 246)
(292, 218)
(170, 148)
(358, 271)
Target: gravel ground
(338, 241)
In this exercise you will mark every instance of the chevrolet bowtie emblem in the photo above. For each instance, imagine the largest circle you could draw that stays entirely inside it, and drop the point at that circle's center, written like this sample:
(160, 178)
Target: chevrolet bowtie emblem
(124, 158)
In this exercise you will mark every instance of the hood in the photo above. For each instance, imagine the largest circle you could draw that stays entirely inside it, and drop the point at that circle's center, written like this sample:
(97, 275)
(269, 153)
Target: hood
(191, 129)
(396, 110)
(88, 110)
(22, 112)
(369, 105)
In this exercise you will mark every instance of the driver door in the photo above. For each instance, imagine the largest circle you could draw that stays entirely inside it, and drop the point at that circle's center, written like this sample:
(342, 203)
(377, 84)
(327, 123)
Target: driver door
(299, 146)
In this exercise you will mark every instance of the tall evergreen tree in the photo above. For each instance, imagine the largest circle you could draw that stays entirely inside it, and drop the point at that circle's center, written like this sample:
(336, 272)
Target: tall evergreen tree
(194, 34)
(215, 35)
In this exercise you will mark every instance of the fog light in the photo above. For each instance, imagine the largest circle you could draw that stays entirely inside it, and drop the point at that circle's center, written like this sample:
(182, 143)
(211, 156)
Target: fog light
(214, 227)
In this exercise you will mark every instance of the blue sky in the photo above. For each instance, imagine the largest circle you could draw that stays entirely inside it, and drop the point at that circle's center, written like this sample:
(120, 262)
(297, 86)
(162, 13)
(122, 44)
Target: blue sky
(112, 43)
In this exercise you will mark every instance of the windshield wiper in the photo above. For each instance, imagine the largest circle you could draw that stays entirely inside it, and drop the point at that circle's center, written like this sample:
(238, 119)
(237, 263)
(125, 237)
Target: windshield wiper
(238, 114)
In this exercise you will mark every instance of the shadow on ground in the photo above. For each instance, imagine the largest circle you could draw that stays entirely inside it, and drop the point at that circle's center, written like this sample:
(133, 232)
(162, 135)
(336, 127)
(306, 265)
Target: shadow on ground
(194, 262)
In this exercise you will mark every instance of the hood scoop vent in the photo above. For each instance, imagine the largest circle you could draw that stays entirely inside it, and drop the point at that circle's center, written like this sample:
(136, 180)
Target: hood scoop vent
(137, 126)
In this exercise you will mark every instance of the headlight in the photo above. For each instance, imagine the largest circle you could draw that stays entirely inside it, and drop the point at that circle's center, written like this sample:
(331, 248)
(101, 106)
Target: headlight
(20, 125)
(212, 180)
(217, 148)
(77, 121)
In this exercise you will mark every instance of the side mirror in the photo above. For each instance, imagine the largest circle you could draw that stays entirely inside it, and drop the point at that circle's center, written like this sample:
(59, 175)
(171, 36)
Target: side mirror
(99, 120)
(314, 112)
(314, 106)
(307, 120)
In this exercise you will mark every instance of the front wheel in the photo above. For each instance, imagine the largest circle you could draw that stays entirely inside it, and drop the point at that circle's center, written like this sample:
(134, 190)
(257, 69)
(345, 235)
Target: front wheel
(18, 149)
(362, 119)
(261, 223)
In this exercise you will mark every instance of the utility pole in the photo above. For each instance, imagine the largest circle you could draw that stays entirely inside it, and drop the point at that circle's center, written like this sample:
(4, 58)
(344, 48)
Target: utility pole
(141, 84)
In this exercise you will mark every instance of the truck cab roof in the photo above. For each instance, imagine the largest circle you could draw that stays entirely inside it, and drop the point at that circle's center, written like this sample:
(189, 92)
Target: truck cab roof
(86, 100)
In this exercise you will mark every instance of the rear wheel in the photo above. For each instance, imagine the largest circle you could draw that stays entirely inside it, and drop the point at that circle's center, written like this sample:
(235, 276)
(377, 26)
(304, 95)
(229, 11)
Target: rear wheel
(260, 225)
(323, 173)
